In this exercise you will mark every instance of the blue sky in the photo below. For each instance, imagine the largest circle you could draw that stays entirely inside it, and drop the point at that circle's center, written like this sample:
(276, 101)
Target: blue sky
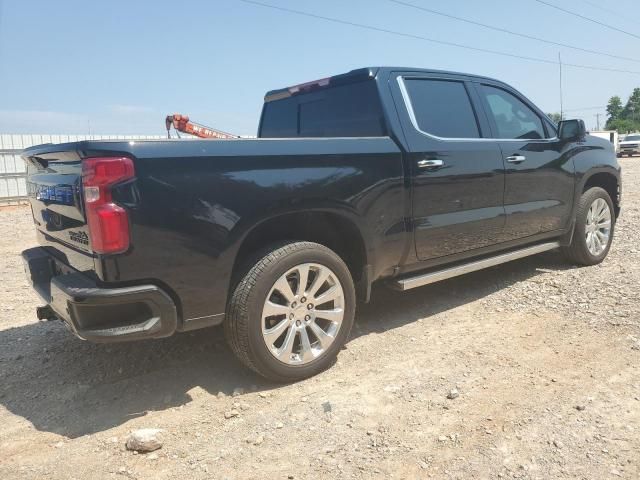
(121, 66)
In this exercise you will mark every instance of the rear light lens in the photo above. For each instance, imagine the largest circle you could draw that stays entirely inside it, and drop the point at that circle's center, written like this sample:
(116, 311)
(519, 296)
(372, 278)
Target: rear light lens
(108, 223)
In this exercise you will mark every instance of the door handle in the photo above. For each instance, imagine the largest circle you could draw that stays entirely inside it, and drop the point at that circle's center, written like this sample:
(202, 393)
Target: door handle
(516, 159)
(430, 164)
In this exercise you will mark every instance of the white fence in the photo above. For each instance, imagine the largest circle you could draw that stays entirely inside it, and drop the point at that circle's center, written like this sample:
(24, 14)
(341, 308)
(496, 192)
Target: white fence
(13, 186)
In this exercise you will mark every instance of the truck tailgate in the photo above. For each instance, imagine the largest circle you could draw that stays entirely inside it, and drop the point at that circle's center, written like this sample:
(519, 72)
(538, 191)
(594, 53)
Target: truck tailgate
(54, 176)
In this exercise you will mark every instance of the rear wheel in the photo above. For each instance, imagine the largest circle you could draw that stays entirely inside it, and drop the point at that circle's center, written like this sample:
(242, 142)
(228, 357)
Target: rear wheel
(291, 312)
(595, 222)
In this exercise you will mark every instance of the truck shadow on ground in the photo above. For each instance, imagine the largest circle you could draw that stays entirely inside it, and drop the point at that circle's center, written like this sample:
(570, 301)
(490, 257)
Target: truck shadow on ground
(73, 388)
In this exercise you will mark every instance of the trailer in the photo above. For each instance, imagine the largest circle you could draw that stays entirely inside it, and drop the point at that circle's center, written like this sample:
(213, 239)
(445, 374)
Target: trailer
(610, 135)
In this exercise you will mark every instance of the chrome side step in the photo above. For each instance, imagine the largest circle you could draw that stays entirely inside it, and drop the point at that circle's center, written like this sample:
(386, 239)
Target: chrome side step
(432, 277)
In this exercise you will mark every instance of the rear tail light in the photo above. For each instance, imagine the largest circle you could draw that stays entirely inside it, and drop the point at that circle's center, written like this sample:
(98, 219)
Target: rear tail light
(108, 223)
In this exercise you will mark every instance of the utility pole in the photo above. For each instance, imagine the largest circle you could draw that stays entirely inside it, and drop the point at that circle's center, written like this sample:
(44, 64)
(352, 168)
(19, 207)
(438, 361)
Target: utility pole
(560, 65)
(598, 121)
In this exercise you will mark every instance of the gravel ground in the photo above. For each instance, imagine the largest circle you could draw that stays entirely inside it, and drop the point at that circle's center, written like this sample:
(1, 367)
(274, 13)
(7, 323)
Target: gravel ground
(544, 359)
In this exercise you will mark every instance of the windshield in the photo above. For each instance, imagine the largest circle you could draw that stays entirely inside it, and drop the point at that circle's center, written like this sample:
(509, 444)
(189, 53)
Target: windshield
(634, 138)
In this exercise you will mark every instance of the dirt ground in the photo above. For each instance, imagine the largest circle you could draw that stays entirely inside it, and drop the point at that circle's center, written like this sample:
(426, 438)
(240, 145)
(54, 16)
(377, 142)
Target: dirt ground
(545, 357)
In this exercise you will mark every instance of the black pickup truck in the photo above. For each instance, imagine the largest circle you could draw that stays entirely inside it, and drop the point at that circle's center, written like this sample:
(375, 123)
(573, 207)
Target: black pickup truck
(404, 175)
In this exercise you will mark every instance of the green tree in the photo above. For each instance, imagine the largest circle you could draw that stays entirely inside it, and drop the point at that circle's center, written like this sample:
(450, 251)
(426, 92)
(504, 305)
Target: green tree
(632, 108)
(624, 119)
(555, 117)
(623, 125)
(614, 108)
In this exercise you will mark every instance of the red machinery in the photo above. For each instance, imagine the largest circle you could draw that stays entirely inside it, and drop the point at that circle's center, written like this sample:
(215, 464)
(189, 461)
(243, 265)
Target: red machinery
(181, 123)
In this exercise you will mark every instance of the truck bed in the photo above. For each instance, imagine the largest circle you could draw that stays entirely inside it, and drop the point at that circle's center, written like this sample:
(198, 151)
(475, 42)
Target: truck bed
(192, 202)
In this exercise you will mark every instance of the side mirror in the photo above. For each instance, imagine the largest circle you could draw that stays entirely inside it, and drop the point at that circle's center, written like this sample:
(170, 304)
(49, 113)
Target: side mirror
(571, 130)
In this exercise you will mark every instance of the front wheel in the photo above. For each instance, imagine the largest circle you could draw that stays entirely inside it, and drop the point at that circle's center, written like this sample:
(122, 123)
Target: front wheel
(291, 312)
(595, 223)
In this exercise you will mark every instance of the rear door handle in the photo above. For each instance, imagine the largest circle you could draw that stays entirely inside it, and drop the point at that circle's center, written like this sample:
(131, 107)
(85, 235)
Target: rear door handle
(430, 164)
(516, 159)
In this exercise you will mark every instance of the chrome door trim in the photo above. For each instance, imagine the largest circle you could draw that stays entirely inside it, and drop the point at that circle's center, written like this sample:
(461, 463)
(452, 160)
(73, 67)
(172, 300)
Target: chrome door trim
(412, 116)
(434, 163)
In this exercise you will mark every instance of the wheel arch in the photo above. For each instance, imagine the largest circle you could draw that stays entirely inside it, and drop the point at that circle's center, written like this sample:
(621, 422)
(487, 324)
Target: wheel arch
(606, 180)
(336, 231)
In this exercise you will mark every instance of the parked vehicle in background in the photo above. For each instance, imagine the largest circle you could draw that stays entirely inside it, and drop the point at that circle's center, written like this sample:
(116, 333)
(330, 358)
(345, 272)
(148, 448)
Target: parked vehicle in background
(401, 175)
(630, 145)
(611, 135)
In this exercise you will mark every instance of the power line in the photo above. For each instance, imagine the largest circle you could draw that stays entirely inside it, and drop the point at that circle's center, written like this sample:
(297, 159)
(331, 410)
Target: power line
(587, 18)
(585, 109)
(595, 5)
(432, 40)
(511, 32)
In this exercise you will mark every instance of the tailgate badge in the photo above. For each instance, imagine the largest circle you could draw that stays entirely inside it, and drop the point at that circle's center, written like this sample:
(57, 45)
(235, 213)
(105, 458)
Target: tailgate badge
(79, 237)
(61, 194)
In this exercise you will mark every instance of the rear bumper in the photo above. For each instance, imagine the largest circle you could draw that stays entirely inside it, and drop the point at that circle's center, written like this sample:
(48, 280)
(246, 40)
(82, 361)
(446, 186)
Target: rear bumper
(97, 313)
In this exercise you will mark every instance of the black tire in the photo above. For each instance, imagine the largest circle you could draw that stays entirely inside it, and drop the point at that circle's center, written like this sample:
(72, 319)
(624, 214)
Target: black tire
(578, 252)
(243, 322)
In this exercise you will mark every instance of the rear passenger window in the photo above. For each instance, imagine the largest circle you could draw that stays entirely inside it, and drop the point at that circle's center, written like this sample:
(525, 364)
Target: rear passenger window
(442, 108)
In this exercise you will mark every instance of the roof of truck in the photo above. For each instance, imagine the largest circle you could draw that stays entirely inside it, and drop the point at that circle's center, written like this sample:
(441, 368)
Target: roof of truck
(356, 75)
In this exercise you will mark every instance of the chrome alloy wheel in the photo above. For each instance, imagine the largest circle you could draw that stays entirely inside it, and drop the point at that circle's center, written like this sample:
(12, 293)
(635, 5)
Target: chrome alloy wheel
(302, 313)
(598, 226)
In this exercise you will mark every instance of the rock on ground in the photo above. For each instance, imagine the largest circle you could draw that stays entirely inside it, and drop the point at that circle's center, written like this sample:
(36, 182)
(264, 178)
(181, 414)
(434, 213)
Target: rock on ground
(145, 440)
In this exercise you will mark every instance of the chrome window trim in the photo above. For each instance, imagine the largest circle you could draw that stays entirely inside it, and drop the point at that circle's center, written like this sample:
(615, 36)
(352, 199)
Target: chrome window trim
(412, 116)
